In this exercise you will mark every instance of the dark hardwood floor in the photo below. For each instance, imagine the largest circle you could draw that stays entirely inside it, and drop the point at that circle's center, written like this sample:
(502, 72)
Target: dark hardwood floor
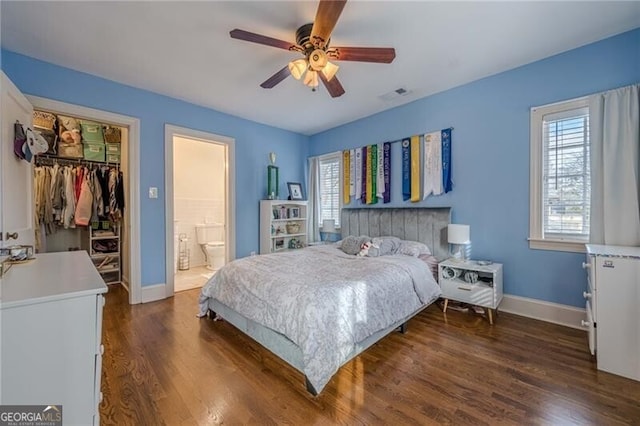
(164, 366)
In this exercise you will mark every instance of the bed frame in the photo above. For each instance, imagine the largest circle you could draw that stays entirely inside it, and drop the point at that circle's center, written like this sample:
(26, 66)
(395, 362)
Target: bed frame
(426, 225)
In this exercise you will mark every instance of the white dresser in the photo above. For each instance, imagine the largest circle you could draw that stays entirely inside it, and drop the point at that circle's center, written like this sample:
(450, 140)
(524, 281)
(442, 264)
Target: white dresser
(51, 342)
(613, 308)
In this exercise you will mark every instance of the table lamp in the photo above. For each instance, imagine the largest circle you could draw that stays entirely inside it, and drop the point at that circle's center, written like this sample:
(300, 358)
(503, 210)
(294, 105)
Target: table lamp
(328, 227)
(458, 236)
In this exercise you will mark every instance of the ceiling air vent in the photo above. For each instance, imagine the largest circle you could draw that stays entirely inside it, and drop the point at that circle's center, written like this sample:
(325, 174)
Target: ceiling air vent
(398, 93)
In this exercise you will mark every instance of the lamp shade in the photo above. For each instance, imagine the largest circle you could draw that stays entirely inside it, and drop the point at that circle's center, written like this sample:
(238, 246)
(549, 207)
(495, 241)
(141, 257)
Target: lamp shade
(458, 234)
(311, 78)
(297, 68)
(328, 225)
(330, 70)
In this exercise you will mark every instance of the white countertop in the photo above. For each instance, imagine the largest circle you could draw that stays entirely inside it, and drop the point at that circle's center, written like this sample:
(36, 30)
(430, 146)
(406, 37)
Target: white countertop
(614, 251)
(50, 276)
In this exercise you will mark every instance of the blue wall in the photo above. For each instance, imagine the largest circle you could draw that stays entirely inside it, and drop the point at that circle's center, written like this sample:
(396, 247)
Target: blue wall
(490, 152)
(491, 155)
(253, 143)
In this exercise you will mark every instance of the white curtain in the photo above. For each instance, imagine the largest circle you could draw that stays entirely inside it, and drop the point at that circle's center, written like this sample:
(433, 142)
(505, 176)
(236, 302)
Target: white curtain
(314, 200)
(615, 166)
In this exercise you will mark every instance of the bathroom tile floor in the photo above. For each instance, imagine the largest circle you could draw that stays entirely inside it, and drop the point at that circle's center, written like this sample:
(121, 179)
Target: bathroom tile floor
(194, 277)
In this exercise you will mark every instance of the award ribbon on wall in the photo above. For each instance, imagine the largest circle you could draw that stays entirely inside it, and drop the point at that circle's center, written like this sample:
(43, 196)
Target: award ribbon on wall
(406, 170)
(387, 172)
(357, 174)
(446, 160)
(415, 168)
(363, 197)
(380, 174)
(368, 176)
(346, 177)
(352, 173)
(374, 174)
(432, 164)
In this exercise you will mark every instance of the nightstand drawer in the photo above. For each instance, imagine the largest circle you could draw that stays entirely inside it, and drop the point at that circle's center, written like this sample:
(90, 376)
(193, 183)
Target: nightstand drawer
(476, 294)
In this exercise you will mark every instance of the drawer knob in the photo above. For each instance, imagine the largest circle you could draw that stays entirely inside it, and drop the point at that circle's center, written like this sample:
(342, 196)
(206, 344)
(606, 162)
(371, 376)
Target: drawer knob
(586, 295)
(585, 323)
(586, 265)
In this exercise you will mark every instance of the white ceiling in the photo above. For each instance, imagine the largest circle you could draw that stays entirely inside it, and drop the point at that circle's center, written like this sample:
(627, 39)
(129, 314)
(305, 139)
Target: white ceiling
(183, 49)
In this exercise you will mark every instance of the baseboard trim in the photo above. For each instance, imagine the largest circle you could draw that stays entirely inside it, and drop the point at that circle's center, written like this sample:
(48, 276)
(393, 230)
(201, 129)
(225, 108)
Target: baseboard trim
(151, 293)
(555, 313)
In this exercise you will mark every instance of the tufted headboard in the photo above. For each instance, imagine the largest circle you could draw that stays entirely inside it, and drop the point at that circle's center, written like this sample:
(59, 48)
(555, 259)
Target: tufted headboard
(426, 225)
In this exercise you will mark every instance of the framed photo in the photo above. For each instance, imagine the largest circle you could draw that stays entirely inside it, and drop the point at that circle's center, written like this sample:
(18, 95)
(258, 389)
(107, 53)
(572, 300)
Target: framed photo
(295, 212)
(295, 191)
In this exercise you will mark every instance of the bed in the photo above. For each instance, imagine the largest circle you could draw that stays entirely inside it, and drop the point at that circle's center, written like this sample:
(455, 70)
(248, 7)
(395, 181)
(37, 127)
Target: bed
(317, 308)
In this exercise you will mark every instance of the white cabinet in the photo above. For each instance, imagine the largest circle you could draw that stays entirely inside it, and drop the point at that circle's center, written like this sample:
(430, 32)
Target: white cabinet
(283, 225)
(16, 181)
(613, 308)
(470, 282)
(51, 341)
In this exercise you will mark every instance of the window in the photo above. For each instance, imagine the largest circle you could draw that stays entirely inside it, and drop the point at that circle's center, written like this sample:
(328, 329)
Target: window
(560, 176)
(330, 188)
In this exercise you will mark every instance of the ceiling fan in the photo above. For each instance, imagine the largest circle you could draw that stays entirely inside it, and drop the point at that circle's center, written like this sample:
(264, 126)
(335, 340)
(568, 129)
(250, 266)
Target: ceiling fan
(312, 41)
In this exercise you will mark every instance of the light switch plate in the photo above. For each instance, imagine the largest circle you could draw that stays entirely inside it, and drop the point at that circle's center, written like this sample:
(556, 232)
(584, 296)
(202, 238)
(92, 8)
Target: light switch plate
(153, 192)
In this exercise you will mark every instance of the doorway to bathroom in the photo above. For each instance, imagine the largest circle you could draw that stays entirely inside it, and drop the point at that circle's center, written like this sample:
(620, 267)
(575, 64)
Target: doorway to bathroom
(200, 204)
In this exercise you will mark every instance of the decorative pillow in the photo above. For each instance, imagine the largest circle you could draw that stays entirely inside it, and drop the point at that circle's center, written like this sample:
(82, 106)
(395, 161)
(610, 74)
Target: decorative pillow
(432, 262)
(383, 246)
(413, 248)
(352, 244)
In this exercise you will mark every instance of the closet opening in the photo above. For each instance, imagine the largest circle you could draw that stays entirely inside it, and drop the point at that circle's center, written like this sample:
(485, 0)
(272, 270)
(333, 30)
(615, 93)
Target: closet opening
(81, 191)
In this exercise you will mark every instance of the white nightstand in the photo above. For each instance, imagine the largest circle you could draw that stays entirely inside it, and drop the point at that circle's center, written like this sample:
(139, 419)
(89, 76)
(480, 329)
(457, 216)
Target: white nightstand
(469, 282)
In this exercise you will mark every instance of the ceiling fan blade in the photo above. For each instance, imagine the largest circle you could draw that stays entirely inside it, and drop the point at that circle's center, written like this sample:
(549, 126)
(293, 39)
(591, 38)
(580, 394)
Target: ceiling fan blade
(384, 55)
(261, 39)
(326, 17)
(276, 78)
(333, 86)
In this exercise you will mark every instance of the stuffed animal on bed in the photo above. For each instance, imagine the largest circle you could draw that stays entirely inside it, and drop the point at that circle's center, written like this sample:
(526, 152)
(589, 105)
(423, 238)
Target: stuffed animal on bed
(380, 246)
(368, 249)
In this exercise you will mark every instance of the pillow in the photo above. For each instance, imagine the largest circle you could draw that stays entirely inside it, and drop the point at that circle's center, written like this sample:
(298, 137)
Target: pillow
(383, 246)
(413, 248)
(432, 263)
(352, 244)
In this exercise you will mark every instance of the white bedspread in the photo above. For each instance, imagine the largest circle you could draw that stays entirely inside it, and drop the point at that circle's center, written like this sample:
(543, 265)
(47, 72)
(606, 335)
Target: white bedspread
(322, 299)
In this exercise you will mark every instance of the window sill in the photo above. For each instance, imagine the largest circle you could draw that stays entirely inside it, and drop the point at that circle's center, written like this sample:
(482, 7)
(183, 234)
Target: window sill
(557, 245)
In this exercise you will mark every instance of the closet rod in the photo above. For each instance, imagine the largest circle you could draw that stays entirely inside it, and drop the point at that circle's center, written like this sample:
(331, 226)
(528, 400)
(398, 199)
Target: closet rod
(48, 160)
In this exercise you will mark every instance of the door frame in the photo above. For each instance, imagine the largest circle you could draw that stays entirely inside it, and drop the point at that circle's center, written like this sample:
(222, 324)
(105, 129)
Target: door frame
(170, 131)
(133, 152)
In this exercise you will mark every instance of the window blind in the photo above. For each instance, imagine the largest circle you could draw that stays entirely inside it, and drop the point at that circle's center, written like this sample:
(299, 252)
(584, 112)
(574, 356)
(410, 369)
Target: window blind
(330, 188)
(566, 174)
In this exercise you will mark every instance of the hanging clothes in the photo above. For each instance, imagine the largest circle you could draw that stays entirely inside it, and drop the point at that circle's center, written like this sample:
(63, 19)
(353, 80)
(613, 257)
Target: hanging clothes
(83, 211)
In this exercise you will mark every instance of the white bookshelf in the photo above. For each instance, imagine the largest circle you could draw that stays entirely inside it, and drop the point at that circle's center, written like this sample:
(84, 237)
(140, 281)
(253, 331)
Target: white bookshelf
(283, 225)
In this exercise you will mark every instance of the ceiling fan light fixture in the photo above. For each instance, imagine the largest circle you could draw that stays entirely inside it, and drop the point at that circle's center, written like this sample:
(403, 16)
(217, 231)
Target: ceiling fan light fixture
(317, 60)
(311, 79)
(297, 68)
(330, 70)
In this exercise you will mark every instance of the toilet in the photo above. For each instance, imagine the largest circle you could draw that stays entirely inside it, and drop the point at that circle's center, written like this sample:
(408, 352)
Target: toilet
(210, 236)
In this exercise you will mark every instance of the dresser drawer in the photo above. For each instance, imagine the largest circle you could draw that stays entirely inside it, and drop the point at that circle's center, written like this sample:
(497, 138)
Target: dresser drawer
(476, 294)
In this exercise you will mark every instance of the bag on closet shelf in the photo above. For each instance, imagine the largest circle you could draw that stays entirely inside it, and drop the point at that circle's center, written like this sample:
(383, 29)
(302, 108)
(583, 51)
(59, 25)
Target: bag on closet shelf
(67, 123)
(70, 150)
(91, 131)
(112, 134)
(43, 120)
